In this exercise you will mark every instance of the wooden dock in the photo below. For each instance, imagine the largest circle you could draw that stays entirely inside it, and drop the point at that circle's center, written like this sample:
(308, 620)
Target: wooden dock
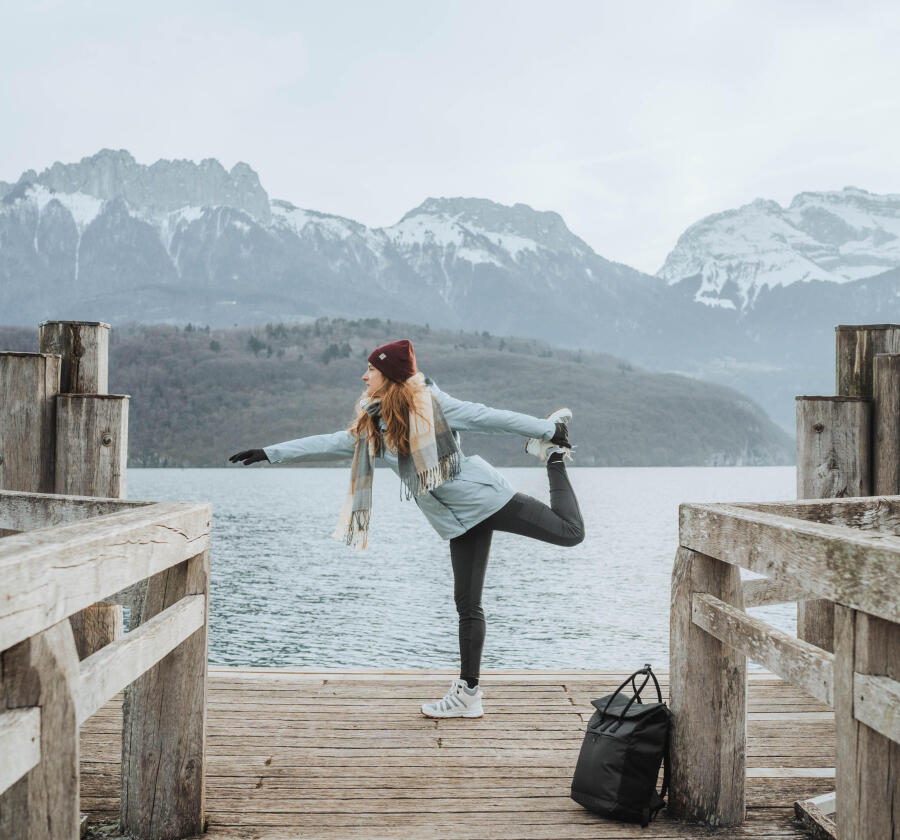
(306, 754)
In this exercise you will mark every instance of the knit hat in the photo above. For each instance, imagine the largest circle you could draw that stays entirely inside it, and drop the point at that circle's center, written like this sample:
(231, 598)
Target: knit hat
(396, 360)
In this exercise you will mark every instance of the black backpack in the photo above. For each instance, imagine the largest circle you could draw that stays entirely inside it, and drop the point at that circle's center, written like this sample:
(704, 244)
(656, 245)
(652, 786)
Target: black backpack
(625, 743)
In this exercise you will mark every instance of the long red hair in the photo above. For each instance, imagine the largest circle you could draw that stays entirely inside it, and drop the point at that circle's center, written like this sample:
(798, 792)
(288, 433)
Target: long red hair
(397, 401)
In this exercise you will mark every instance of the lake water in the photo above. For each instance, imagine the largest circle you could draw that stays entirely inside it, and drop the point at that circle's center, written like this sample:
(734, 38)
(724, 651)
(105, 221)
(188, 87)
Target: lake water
(284, 593)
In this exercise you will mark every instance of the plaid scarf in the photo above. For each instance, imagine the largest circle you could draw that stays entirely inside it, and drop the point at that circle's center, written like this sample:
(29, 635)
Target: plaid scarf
(434, 458)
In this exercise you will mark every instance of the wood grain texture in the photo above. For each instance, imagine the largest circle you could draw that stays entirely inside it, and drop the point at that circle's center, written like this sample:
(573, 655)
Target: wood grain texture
(841, 564)
(117, 665)
(91, 444)
(886, 425)
(84, 349)
(50, 574)
(20, 511)
(876, 703)
(708, 699)
(20, 743)
(759, 593)
(164, 733)
(794, 660)
(510, 792)
(866, 513)
(29, 383)
(95, 627)
(855, 348)
(834, 456)
(43, 671)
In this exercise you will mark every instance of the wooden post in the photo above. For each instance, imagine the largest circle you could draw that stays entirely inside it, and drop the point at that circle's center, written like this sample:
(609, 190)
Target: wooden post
(867, 771)
(708, 685)
(29, 383)
(856, 347)
(91, 444)
(43, 671)
(163, 765)
(833, 461)
(84, 348)
(886, 425)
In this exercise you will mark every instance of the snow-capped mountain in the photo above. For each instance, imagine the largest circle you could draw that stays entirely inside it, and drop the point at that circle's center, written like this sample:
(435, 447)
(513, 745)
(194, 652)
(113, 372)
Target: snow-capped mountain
(836, 236)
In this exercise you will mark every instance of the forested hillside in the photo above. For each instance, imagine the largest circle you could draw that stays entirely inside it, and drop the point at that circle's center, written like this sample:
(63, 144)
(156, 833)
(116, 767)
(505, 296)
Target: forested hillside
(200, 394)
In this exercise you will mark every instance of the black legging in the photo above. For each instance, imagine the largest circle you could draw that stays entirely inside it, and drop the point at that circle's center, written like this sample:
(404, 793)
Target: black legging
(561, 524)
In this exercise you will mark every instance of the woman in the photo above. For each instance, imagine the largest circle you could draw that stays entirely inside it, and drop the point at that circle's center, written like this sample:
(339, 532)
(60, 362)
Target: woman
(405, 420)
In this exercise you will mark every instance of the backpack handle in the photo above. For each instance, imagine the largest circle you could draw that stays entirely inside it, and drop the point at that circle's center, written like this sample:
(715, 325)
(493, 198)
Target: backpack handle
(648, 673)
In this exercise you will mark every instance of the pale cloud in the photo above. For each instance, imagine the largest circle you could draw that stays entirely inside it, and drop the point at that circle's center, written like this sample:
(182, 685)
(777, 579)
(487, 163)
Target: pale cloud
(630, 120)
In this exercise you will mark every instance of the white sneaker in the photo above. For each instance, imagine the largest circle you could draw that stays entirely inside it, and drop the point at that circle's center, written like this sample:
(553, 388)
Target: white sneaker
(456, 703)
(543, 449)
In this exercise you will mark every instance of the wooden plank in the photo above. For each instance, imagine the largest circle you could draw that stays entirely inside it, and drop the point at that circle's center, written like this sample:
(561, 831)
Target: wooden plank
(43, 671)
(29, 383)
(164, 733)
(829, 561)
(121, 663)
(20, 743)
(84, 349)
(796, 661)
(763, 591)
(20, 511)
(52, 573)
(707, 750)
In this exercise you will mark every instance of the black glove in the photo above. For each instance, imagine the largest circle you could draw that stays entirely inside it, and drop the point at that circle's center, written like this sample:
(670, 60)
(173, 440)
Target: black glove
(249, 456)
(561, 436)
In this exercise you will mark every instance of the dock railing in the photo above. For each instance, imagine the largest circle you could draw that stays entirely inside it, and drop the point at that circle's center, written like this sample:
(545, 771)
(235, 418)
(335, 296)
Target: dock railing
(58, 555)
(844, 551)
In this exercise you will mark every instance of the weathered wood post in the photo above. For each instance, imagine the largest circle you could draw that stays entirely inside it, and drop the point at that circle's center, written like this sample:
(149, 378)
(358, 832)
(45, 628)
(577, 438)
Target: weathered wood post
(708, 698)
(42, 671)
(868, 764)
(29, 383)
(91, 444)
(833, 461)
(163, 765)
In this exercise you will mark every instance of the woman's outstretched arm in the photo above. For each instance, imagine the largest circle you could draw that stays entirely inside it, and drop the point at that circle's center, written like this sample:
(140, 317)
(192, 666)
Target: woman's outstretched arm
(335, 445)
(476, 417)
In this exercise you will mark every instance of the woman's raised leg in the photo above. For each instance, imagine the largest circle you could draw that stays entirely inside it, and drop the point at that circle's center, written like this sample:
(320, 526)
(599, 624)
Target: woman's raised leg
(561, 523)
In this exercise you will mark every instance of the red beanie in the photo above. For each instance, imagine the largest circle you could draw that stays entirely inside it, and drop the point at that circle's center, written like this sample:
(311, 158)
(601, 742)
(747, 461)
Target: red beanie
(396, 360)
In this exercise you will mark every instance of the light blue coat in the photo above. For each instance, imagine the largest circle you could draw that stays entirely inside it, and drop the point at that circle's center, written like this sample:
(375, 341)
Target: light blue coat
(473, 495)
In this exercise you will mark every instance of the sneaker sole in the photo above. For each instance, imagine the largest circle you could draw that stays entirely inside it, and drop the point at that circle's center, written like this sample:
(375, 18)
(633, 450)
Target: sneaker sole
(442, 717)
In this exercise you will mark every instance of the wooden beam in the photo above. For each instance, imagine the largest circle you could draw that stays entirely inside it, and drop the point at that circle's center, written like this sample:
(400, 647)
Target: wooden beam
(29, 383)
(120, 663)
(841, 564)
(164, 734)
(20, 511)
(876, 703)
(43, 671)
(49, 574)
(708, 700)
(763, 591)
(866, 513)
(20, 743)
(794, 660)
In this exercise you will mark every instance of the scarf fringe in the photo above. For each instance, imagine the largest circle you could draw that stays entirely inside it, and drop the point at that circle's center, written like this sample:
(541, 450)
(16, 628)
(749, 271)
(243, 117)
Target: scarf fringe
(446, 468)
(357, 535)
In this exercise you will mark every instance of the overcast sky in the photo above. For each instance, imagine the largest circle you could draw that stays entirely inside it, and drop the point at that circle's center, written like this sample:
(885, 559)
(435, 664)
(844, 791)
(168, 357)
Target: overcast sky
(632, 120)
